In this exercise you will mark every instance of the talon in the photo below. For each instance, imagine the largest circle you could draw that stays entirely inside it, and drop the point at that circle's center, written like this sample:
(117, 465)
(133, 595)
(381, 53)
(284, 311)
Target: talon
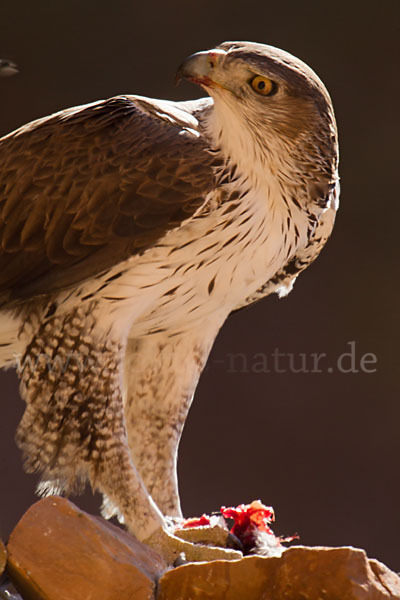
(215, 535)
(172, 548)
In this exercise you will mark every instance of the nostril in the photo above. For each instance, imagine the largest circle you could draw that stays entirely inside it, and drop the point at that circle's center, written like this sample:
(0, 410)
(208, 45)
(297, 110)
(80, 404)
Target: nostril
(211, 63)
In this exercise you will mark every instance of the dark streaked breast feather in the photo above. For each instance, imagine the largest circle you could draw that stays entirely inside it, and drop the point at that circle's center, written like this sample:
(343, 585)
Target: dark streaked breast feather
(86, 188)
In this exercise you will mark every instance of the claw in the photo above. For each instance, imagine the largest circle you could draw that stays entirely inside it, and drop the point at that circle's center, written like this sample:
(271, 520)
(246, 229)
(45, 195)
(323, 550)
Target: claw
(172, 548)
(216, 535)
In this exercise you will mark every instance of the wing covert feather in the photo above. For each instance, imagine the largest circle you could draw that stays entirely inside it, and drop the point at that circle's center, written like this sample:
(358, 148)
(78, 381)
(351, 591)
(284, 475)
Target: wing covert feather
(88, 187)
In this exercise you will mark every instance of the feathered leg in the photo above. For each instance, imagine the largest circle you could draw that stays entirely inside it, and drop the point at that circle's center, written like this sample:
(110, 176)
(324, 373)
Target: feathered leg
(161, 374)
(73, 427)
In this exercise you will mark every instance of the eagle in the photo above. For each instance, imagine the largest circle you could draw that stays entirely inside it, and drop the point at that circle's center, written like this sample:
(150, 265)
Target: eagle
(130, 229)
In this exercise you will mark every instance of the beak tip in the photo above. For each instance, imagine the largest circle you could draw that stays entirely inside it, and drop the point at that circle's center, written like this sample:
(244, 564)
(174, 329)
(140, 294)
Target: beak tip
(192, 67)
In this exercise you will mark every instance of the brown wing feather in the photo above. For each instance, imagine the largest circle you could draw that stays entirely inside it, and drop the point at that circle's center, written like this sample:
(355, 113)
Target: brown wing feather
(88, 187)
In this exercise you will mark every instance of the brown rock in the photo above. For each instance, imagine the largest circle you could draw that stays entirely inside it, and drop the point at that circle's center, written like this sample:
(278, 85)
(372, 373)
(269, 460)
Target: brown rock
(3, 557)
(58, 552)
(301, 573)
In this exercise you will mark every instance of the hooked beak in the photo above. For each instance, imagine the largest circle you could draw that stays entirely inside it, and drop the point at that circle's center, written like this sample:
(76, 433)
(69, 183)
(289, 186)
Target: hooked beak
(201, 68)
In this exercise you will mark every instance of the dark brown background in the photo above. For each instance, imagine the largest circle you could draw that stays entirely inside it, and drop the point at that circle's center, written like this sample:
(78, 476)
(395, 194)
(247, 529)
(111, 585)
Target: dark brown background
(322, 448)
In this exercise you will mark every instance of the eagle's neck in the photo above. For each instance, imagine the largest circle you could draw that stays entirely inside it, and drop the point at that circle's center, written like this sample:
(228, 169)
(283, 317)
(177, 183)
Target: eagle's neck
(267, 162)
(269, 170)
(236, 142)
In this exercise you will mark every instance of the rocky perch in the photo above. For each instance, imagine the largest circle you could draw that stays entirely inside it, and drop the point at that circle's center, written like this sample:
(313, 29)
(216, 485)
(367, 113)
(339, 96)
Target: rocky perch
(58, 552)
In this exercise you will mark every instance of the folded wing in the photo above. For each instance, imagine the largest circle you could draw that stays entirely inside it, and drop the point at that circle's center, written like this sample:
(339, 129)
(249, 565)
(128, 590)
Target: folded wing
(88, 187)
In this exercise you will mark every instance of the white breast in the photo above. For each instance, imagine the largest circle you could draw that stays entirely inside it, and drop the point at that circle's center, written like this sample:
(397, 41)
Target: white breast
(205, 267)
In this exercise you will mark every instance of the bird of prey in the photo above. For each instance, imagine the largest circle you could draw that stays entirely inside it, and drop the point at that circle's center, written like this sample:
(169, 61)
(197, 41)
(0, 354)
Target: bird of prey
(130, 229)
(7, 67)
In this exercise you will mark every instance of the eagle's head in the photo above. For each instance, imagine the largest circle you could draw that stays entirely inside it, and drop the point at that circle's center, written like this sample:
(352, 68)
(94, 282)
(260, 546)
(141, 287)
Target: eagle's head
(271, 111)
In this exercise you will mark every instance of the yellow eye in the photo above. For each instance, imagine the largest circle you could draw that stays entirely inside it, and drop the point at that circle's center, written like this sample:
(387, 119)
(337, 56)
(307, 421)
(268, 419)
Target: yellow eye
(263, 85)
